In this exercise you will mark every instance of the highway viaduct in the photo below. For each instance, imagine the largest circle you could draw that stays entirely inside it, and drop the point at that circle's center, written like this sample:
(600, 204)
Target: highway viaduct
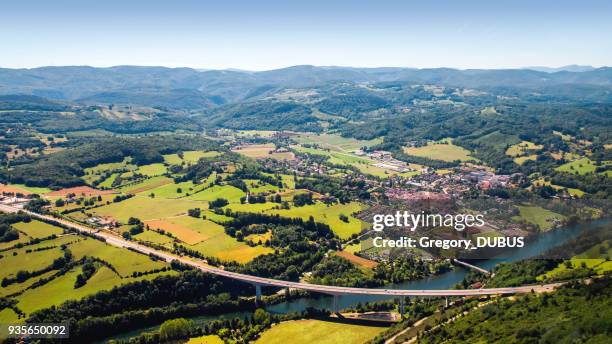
(258, 282)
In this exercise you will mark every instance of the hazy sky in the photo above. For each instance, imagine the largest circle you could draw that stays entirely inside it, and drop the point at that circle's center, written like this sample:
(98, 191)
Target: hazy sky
(264, 34)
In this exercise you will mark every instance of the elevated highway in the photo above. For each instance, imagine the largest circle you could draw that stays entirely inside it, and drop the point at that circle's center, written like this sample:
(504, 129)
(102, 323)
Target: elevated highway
(258, 282)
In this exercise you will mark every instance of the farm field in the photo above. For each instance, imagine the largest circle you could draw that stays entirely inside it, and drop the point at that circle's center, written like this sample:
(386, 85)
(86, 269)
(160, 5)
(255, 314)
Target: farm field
(23, 189)
(318, 331)
(208, 238)
(124, 261)
(172, 190)
(79, 191)
(145, 185)
(366, 263)
(335, 142)
(581, 166)
(188, 157)
(571, 191)
(62, 289)
(329, 215)
(539, 216)
(441, 151)
(521, 148)
(262, 151)
(210, 339)
(230, 193)
(152, 169)
(146, 208)
(37, 230)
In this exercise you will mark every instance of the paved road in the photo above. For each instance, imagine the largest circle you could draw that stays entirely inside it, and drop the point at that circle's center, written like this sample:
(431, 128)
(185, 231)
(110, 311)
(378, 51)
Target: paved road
(118, 241)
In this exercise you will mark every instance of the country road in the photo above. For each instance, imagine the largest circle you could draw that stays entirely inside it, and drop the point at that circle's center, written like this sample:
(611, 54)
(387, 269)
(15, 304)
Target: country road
(118, 241)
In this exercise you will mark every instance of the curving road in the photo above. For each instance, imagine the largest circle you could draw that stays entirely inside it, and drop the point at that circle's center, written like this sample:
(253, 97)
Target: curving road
(118, 241)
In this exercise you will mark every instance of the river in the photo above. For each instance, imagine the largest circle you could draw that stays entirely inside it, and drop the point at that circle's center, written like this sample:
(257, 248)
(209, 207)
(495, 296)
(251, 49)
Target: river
(538, 245)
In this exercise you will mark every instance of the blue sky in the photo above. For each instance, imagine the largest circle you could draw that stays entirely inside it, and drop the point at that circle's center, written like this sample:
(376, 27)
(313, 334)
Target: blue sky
(263, 34)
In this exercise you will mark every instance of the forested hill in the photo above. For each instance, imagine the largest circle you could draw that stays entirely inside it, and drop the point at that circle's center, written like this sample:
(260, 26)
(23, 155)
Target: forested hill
(137, 84)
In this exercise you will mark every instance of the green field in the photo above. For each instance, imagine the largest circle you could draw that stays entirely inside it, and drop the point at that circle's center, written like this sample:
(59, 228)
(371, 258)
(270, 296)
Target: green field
(8, 316)
(210, 339)
(32, 189)
(440, 151)
(539, 216)
(318, 331)
(32, 261)
(124, 261)
(36, 229)
(498, 140)
(61, 289)
(152, 169)
(189, 157)
(145, 185)
(146, 208)
(251, 208)
(581, 166)
(329, 215)
(230, 193)
(172, 190)
(521, 148)
(336, 142)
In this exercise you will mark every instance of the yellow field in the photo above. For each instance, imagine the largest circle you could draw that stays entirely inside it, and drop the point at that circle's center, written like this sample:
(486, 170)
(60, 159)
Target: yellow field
(522, 147)
(318, 331)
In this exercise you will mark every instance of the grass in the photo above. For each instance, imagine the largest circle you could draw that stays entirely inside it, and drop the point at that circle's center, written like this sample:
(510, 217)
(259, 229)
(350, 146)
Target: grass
(36, 229)
(257, 186)
(210, 339)
(571, 191)
(318, 331)
(152, 169)
(539, 216)
(22, 188)
(153, 237)
(145, 185)
(124, 261)
(146, 208)
(440, 151)
(8, 316)
(171, 190)
(336, 142)
(61, 289)
(27, 261)
(187, 229)
(230, 193)
(521, 148)
(498, 140)
(522, 159)
(251, 208)
(581, 166)
(329, 215)
(189, 157)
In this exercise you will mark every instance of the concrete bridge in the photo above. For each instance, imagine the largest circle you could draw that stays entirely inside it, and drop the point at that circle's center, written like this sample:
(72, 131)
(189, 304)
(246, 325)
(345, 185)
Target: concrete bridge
(258, 282)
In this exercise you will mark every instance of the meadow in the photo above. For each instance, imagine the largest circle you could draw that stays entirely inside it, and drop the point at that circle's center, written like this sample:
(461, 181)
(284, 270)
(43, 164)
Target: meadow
(37, 230)
(445, 151)
(539, 216)
(147, 208)
(318, 331)
(329, 215)
(188, 157)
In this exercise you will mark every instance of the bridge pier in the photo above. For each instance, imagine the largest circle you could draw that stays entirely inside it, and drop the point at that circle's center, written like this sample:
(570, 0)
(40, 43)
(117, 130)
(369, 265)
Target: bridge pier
(336, 305)
(446, 298)
(257, 293)
(401, 307)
